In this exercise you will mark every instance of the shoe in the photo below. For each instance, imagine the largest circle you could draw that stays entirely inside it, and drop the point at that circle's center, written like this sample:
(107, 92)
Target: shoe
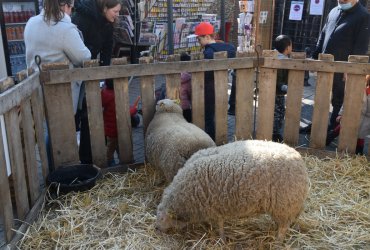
(277, 138)
(331, 137)
(359, 150)
(305, 130)
(231, 112)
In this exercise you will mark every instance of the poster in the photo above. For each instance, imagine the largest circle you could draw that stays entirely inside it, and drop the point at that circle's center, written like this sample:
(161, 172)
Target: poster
(317, 7)
(296, 10)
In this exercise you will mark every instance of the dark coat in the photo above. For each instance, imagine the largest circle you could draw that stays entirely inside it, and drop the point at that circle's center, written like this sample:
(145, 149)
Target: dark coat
(96, 29)
(209, 81)
(345, 33)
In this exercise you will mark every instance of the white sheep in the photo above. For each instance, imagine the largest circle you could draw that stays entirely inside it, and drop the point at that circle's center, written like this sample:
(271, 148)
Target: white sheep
(170, 140)
(236, 180)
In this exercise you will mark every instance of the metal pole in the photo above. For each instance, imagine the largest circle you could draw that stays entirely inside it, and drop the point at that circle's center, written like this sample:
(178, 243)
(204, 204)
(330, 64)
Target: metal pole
(222, 15)
(170, 47)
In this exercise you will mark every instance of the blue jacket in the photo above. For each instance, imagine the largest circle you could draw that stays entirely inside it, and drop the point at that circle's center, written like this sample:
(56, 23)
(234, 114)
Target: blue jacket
(209, 81)
(345, 33)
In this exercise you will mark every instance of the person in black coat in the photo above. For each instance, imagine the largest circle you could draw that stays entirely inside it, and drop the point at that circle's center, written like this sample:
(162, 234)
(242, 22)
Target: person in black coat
(94, 18)
(346, 32)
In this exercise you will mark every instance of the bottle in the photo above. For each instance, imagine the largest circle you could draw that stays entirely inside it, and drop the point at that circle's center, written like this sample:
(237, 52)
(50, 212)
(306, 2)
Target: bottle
(11, 17)
(6, 17)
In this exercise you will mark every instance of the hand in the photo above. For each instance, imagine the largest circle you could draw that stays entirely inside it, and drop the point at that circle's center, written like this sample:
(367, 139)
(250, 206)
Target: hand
(339, 117)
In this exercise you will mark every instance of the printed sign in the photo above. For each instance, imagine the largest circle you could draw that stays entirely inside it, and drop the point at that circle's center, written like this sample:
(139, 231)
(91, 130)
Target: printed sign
(296, 10)
(317, 7)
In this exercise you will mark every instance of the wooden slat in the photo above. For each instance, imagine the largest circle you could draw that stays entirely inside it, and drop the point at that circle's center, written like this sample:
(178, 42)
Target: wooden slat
(122, 99)
(197, 94)
(353, 101)
(30, 151)
(95, 117)
(6, 208)
(244, 101)
(221, 101)
(293, 101)
(266, 100)
(322, 105)
(60, 76)
(14, 96)
(37, 102)
(60, 117)
(147, 86)
(173, 81)
(17, 162)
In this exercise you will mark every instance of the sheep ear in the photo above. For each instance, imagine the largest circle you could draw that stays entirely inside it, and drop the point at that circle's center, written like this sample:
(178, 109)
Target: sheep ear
(178, 101)
(161, 104)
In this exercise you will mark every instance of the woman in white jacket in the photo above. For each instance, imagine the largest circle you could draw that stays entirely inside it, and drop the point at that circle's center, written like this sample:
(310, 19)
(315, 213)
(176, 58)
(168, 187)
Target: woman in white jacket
(53, 37)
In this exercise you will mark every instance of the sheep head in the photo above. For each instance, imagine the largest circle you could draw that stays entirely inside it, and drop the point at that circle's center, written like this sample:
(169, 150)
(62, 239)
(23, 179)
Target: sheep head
(168, 106)
(167, 220)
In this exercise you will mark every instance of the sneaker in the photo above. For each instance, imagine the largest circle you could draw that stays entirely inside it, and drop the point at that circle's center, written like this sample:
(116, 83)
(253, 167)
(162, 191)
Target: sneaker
(305, 130)
(277, 138)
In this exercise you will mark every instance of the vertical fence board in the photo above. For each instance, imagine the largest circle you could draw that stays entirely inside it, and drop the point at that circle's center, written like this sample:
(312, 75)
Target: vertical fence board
(37, 102)
(244, 102)
(293, 100)
(17, 163)
(221, 101)
(60, 116)
(30, 151)
(122, 99)
(6, 208)
(173, 81)
(353, 100)
(266, 100)
(322, 105)
(147, 85)
(95, 117)
(197, 95)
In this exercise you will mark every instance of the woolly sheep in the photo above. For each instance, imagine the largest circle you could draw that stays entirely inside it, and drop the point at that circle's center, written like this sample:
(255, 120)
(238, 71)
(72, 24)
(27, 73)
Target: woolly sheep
(236, 180)
(170, 140)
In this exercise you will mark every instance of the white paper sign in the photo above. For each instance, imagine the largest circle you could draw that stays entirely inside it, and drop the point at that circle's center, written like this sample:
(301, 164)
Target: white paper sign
(296, 10)
(317, 7)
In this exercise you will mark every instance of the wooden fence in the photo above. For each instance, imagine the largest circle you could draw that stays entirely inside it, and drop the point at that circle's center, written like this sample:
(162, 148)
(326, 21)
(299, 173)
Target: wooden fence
(22, 108)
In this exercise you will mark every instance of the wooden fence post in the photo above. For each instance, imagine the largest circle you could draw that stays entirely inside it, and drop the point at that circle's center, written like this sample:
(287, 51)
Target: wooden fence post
(122, 99)
(244, 101)
(221, 101)
(147, 85)
(197, 94)
(95, 117)
(60, 116)
(173, 81)
(294, 97)
(17, 162)
(353, 101)
(266, 99)
(322, 104)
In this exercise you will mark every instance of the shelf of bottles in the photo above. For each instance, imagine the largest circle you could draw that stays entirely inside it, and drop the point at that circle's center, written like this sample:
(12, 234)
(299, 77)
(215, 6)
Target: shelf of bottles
(16, 15)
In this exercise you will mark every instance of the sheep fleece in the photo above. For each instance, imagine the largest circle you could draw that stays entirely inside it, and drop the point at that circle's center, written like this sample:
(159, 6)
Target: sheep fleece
(170, 140)
(238, 180)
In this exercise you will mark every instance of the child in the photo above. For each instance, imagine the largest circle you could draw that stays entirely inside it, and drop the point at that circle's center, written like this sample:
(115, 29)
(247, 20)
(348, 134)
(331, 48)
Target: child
(185, 90)
(283, 44)
(206, 37)
(364, 129)
(110, 122)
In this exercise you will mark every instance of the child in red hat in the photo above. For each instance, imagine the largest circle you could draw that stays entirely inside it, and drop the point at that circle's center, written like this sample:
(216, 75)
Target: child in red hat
(206, 38)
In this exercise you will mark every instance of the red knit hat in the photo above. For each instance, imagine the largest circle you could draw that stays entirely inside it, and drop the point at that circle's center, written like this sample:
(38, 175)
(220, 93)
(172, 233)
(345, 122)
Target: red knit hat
(204, 28)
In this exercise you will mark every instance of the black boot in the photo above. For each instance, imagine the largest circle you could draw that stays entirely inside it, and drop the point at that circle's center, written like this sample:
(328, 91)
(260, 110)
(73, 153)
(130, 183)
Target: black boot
(359, 150)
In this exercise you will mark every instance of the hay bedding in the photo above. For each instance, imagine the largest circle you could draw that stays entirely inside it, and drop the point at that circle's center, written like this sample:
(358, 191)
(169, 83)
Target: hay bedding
(119, 213)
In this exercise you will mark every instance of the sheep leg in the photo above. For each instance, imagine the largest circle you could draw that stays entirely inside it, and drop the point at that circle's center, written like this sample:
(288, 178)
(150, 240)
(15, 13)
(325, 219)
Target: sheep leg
(221, 230)
(281, 232)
